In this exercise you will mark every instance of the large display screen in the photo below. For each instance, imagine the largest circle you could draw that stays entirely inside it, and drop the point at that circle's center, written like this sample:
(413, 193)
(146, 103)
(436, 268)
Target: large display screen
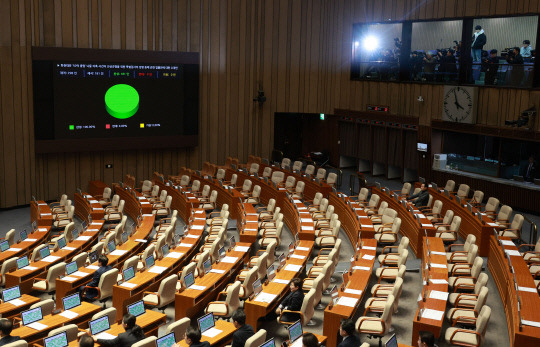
(134, 99)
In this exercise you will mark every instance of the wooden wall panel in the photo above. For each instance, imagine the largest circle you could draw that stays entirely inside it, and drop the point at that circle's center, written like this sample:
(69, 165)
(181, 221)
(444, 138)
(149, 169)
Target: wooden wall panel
(298, 52)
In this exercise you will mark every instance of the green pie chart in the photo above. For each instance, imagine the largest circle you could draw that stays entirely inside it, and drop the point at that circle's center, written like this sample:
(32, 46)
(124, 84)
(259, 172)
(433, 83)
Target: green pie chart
(122, 101)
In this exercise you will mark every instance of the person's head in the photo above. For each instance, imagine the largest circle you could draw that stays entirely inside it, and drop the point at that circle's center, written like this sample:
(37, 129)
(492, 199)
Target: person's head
(296, 284)
(6, 326)
(347, 327)
(86, 341)
(516, 50)
(129, 321)
(493, 53)
(450, 53)
(239, 318)
(103, 260)
(531, 159)
(429, 55)
(477, 28)
(426, 339)
(423, 186)
(526, 43)
(193, 335)
(309, 340)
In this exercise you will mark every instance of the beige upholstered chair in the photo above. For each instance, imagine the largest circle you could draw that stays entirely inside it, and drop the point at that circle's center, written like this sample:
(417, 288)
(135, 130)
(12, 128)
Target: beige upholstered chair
(285, 163)
(271, 234)
(449, 233)
(63, 218)
(297, 165)
(385, 220)
(8, 265)
(503, 217)
(468, 300)
(184, 181)
(224, 309)
(257, 339)
(388, 235)
(261, 262)
(491, 206)
(113, 214)
(165, 294)
(472, 338)
(460, 256)
(160, 209)
(447, 219)
(331, 180)
(316, 284)
(289, 183)
(374, 326)
(310, 170)
(328, 236)
(450, 185)
(463, 191)
(313, 205)
(392, 258)
(72, 330)
(254, 196)
(35, 253)
(477, 198)
(10, 236)
(48, 284)
(220, 175)
(534, 254)
(466, 283)
(326, 270)
(372, 204)
(466, 315)
(105, 286)
(362, 196)
(146, 187)
(254, 169)
(376, 304)
(146, 342)
(328, 254)
(179, 327)
(246, 187)
(210, 203)
(189, 268)
(267, 172)
(247, 285)
(458, 268)
(131, 262)
(47, 306)
(434, 213)
(390, 273)
(20, 343)
(268, 211)
(109, 312)
(195, 187)
(321, 174)
(277, 177)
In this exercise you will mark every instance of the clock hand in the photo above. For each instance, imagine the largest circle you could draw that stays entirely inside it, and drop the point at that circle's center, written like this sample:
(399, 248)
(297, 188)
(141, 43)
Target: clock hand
(459, 106)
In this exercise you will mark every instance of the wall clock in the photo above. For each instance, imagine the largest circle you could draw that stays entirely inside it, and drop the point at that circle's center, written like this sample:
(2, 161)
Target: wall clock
(459, 104)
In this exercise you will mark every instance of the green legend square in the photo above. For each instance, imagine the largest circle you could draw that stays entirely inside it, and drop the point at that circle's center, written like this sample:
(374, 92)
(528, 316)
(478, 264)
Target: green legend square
(72, 127)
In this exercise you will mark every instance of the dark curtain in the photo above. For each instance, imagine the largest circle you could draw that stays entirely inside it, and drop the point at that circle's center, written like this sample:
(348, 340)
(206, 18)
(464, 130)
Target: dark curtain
(395, 147)
(410, 156)
(347, 138)
(364, 141)
(380, 144)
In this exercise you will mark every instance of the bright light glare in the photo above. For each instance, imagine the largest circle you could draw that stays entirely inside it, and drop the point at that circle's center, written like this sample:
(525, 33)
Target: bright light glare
(371, 43)
(356, 44)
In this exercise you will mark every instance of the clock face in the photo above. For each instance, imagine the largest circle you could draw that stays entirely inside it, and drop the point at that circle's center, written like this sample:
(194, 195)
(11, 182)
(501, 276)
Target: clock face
(458, 104)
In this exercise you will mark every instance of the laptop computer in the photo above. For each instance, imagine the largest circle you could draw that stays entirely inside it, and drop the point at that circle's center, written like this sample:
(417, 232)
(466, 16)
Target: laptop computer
(269, 343)
(447, 193)
(75, 234)
(257, 287)
(282, 260)
(44, 253)
(166, 341)
(392, 341)
(206, 322)
(22, 262)
(23, 235)
(11, 293)
(71, 301)
(149, 262)
(84, 225)
(58, 340)
(99, 325)
(34, 226)
(334, 294)
(222, 253)
(4, 245)
(232, 242)
(125, 237)
(31, 316)
(93, 256)
(128, 273)
(137, 308)
(111, 246)
(271, 272)
(189, 280)
(207, 266)
(165, 250)
(61, 242)
(295, 334)
(89, 218)
(71, 268)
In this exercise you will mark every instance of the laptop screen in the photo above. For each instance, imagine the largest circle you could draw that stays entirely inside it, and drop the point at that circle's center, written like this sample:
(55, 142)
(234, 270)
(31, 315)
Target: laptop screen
(89, 218)
(22, 262)
(206, 322)
(61, 242)
(165, 250)
(128, 273)
(149, 262)
(269, 343)
(58, 340)
(166, 341)
(44, 252)
(232, 242)
(34, 226)
(71, 301)
(282, 260)
(257, 286)
(136, 308)
(392, 341)
(271, 272)
(11, 293)
(111, 246)
(207, 266)
(23, 235)
(75, 234)
(93, 256)
(189, 279)
(84, 225)
(99, 325)
(71, 268)
(4, 245)
(221, 252)
(125, 236)
(295, 331)
(31, 316)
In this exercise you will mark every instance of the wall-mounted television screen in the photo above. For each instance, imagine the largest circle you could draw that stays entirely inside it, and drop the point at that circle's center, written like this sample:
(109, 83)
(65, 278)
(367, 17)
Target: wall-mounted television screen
(93, 99)
(421, 147)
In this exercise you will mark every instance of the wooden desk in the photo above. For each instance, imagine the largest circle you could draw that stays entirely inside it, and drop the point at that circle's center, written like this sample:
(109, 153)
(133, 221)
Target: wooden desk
(131, 248)
(41, 213)
(525, 335)
(298, 219)
(25, 247)
(432, 272)
(8, 310)
(411, 227)
(268, 191)
(190, 302)
(227, 329)
(256, 309)
(349, 211)
(358, 280)
(182, 200)
(470, 224)
(96, 187)
(87, 205)
(248, 224)
(133, 205)
(85, 311)
(24, 278)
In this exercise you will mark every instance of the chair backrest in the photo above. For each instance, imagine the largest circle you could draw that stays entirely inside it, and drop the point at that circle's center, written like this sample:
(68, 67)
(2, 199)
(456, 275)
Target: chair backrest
(257, 339)
(7, 266)
(195, 186)
(308, 309)
(337, 247)
(184, 181)
(109, 312)
(213, 196)
(106, 283)
(387, 312)
(267, 172)
(504, 213)
(403, 244)
(327, 273)
(106, 193)
(290, 182)
(317, 198)
(214, 248)
(234, 178)
(480, 282)
(323, 206)
(478, 196)
(402, 260)
(332, 178)
(310, 170)
(406, 188)
(256, 191)
(297, 165)
(47, 306)
(471, 255)
(437, 207)
(155, 191)
(248, 281)
(262, 264)
(220, 175)
(382, 207)
(204, 256)
(131, 262)
(492, 204)
(482, 297)
(167, 289)
(388, 215)
(450, 185)
(448, 216)
(115, 200)
(396, 225)
(463, 190)
(80, 259)
(187, 269)
(456, 223)
(71, 331)
(163, 195)
(285, 162)
(98, 248)
(374, 201)
(271, 250)
(146, 186)
(271, 205)
(205, 190)
(146, 342)
(179, 327)
(470, 240)
(246, 187)
(477, 267)
(121, 206)
(254, 168)
(278, 177)
(321, 173)
(363, 194)
(10, 236)
(232, 300)
(482, 321)
(318, 286)
(517, 222)
(20, 343)
(160, 243)
(401, 271)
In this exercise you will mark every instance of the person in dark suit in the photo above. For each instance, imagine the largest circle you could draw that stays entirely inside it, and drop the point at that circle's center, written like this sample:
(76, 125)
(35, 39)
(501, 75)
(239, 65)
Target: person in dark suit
(6, 326)
(529, 171)
(244, 331)
(193, 338)
(86, 341)
(293, 302)
(421, 198)
(90, 294)
(309, 340)
(426, 339)
(348, 331)
(133, 334)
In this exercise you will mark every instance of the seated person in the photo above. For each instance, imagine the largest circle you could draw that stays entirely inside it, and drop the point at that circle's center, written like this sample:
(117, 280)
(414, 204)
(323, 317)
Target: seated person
(244, 331)
(426, 339)
(293, 302)
(421, 198)
(309, 340)
(193, 338)
(348, 331)
(526, 49)
(86, 341)
(529, 170)
(133, 334)
(6, 326)
(90, 293)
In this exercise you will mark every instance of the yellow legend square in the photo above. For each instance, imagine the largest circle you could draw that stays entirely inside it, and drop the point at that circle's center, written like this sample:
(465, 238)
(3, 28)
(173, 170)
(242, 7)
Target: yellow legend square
(142, 125)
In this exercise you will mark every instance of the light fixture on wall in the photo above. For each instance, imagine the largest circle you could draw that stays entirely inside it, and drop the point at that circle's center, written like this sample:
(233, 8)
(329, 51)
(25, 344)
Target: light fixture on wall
(260, 98)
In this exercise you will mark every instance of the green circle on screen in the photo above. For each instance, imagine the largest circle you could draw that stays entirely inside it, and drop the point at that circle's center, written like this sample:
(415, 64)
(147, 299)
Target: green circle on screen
(122, 101)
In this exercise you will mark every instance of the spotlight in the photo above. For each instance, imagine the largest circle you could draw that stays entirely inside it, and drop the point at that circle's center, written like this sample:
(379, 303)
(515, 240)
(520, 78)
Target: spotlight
(371, 43)
(356, 44)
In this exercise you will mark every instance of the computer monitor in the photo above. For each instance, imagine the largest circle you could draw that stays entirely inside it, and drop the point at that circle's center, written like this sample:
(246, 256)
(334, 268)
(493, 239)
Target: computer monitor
(222, 253)
(137, 308)
(149, 262)
(23, 235)
(469, 207)
(99, 325)
(392, 341)
(75, 234)
(93, 256)
(61, 242)
(58, 340)
(271, 272)
(4, 245)
(111, 246)
(458, 200)
(232, 242)
(165, 250)
(447, 193)
(31, 316)
(206, 322)
(128, 273)
(125, 237)
(295, 331)
(34, 226)
(291, 247)
(378, 185)
(71, 268)
(269, 343)
(84, 225)
(257, 286)
(44, 253)
(71, 301)
(282, 260)
(207, 266)
(22, 262)
(189, 279)
(11, 293)
(166, 341)
(89, 218)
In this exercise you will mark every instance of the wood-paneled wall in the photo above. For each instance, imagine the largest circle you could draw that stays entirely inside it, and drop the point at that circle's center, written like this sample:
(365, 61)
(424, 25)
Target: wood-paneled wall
(298, 52)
